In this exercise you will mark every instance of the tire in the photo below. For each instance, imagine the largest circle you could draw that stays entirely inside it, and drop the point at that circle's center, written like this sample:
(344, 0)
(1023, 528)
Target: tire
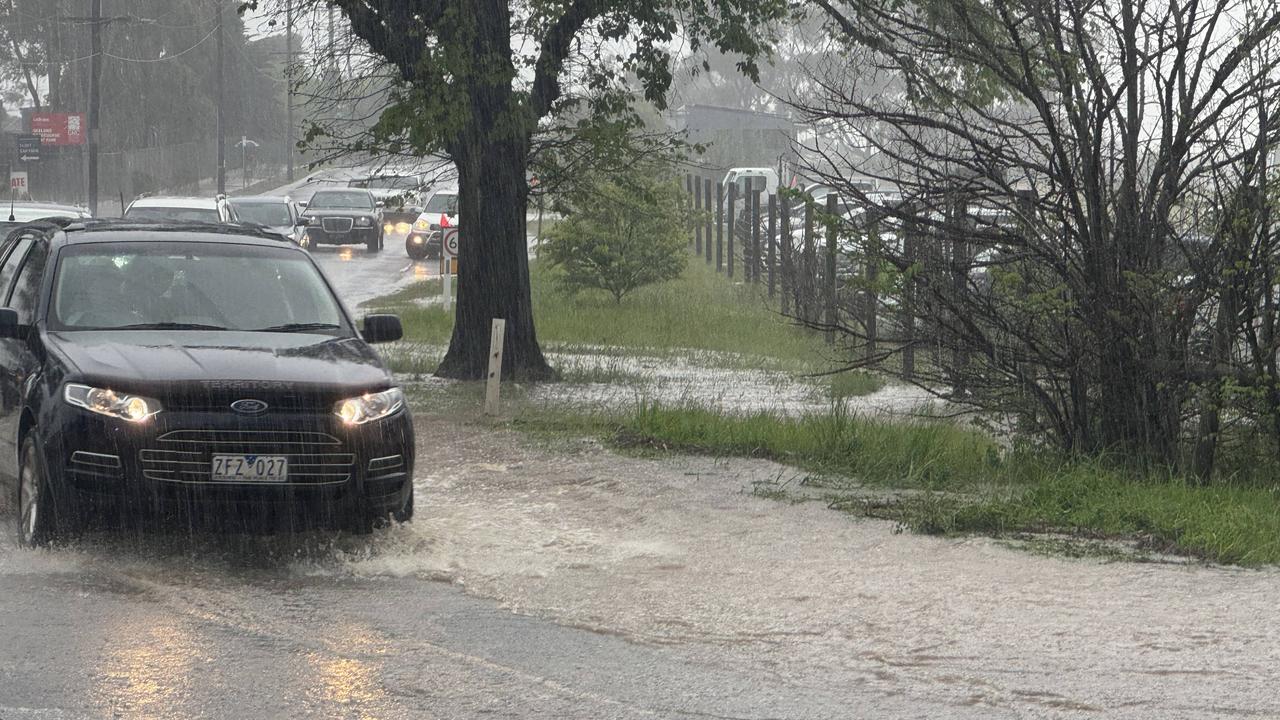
(42, 515)
(405, 514)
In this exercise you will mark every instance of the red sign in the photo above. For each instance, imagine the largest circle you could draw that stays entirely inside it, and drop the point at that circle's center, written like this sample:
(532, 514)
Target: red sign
(58, 128)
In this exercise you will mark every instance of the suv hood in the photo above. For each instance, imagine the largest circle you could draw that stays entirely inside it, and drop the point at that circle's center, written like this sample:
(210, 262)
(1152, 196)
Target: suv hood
(138, 360)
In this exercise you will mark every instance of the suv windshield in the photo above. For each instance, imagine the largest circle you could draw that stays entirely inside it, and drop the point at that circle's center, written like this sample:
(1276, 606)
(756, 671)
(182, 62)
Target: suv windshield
(271, 214)
(442, 203)
(191, 285)
(176, 214)
(341, 199)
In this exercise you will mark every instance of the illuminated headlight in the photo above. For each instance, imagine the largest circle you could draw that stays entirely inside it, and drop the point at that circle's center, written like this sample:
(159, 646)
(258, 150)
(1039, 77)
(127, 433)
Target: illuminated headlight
(388, 228)
(364, 222)
(418, 240)
(421, 224)
(133, 408)
(369, 407)
(402, 227)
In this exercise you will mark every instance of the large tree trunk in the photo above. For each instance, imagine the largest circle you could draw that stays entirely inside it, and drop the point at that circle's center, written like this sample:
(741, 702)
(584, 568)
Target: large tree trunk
(492, 154)
(493, 265)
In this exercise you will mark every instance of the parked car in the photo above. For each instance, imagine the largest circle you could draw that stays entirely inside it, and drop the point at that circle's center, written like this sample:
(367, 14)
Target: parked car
(401, 197)
(438, 212)
(181, 209)
(189, 370)
(278, 214)
(25, 212)
(764, 179)
(343, 216)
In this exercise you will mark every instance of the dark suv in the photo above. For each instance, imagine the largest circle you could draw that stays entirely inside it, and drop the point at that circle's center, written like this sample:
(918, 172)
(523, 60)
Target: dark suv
(343, 217)
(190, 370)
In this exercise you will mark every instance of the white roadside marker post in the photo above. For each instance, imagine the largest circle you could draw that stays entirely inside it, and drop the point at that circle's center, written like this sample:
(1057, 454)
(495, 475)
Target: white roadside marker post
(495, 367)
(446, 281)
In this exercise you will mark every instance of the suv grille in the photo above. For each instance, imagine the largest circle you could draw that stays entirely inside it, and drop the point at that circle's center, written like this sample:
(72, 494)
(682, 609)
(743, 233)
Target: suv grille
(186, 456)
(336, 224)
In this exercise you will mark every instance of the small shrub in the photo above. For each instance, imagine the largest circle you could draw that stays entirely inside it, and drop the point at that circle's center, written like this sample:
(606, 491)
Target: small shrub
(620, 234)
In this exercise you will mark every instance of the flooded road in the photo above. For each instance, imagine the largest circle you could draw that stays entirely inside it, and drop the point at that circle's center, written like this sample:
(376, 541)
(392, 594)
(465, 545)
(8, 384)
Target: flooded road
(557, 579)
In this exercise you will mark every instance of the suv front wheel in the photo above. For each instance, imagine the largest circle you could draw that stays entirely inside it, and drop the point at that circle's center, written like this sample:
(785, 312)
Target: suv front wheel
(41, 517)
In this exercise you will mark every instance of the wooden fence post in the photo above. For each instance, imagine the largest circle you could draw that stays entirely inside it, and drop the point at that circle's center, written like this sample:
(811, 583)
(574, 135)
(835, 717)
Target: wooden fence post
(707, 197)
(829, 277)
(872, 273)
(719, 227)
(808, 271)
(910, 231)
(755, 237)
(772, 240)
(688, 189)
(733, 212)
(784, 241)
(494, 380)
(697, 222)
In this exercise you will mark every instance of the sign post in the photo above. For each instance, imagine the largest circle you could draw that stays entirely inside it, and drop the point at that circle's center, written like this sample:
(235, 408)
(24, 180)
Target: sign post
(448, 263)
(18, 183)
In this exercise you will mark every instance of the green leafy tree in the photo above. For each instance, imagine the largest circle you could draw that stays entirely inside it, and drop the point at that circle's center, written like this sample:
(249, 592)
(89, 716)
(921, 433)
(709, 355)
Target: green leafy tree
(478, 79)
(620, 235)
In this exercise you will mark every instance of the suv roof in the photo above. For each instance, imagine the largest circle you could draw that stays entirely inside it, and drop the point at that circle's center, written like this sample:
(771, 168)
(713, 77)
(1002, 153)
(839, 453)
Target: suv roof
(160, 230)
(259, 199)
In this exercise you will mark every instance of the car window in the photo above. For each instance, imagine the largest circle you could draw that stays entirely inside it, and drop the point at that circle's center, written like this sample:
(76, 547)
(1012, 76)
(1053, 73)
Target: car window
(221, 285)
(26, 290)
(11, 263)
(341, 199)
(262, 213)
(174, 214)
(442, 203)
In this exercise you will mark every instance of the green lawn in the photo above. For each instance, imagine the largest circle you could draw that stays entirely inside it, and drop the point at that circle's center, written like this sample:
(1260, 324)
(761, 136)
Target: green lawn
(701, 311)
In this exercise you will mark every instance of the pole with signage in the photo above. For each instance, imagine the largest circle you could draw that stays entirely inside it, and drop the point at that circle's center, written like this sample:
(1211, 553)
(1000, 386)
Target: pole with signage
(448, 263)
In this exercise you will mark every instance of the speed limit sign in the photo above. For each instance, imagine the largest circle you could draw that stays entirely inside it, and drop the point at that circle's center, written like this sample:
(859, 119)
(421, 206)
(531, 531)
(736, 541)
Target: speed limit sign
(450, 241)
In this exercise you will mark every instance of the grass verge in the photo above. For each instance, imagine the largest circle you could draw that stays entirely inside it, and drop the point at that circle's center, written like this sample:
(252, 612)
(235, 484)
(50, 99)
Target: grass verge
(700, 311)
(952, 480)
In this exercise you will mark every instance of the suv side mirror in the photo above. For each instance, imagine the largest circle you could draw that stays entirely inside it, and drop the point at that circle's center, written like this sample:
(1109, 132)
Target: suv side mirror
(9, 327)
(301, 221)
(377, 328)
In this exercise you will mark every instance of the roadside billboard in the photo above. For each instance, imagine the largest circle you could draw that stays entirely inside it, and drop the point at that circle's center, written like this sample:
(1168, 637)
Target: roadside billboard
(58, 128)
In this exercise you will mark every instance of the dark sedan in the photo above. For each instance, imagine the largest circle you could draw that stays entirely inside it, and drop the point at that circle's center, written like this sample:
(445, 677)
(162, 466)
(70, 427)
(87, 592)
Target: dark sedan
(193, 371)
(343, 216)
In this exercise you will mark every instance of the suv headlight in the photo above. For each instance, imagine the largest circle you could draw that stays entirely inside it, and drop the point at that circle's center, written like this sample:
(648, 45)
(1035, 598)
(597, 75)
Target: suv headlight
(133, 408)
(364, 221)
(369, 407)
(312, 220)
(421, 224)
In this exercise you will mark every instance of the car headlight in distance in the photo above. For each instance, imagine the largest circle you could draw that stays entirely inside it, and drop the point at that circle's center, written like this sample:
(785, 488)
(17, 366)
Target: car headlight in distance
(402, 227)
(421, 224)
(133, 408)
(369, 407)
(364, 221)
(388, 228)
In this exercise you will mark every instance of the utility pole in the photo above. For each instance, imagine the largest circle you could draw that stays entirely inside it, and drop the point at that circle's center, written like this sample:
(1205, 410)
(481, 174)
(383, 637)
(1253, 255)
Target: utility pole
(288, 78)
(95, 75)
(222, 141)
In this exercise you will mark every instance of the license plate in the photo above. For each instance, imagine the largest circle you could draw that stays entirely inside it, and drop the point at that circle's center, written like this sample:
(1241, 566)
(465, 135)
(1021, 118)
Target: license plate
(250, 468)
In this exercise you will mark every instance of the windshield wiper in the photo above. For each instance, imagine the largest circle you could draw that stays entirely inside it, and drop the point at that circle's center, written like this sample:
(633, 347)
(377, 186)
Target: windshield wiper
(299, 327)
(168, 326)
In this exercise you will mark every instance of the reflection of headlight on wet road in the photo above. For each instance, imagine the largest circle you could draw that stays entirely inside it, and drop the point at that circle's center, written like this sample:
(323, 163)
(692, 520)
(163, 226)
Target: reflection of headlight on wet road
(344, 254)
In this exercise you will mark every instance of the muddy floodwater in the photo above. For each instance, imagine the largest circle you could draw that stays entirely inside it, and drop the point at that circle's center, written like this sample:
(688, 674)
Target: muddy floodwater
(562, 580)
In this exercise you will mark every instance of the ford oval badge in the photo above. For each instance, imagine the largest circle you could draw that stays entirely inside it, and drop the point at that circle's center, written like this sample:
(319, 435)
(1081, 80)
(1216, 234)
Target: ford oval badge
(249, 406)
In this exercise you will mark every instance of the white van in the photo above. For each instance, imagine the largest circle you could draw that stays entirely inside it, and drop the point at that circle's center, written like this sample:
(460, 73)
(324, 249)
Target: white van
(741, 176)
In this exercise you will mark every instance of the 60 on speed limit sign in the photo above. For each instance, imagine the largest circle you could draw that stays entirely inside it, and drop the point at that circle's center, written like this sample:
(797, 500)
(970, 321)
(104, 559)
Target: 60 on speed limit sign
(450, 241)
